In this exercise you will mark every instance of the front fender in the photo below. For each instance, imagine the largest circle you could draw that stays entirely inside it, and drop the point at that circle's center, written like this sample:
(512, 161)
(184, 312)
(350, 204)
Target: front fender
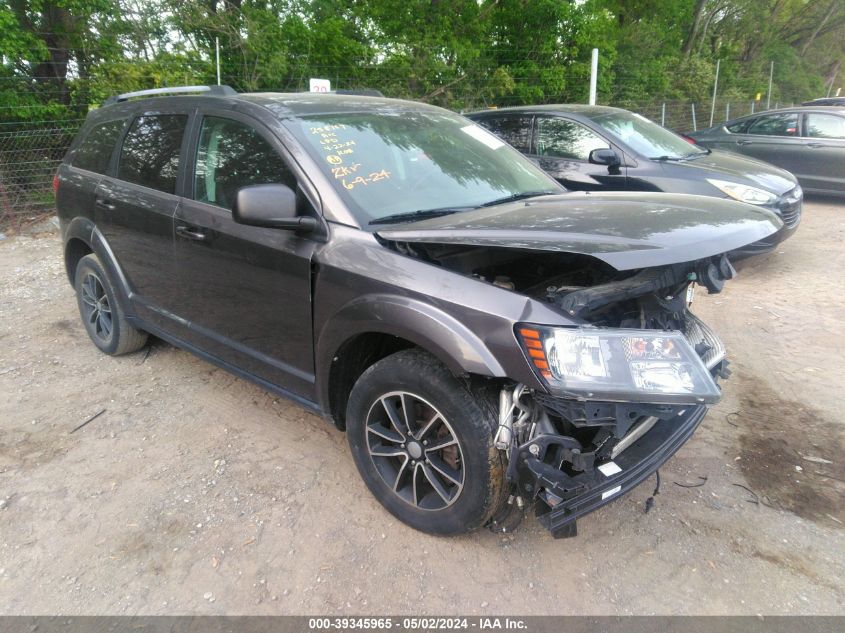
(423, 324)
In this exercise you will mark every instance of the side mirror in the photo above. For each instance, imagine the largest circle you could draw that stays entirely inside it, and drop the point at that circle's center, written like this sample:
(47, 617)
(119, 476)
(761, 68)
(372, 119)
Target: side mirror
(605, 156)
(270, 206)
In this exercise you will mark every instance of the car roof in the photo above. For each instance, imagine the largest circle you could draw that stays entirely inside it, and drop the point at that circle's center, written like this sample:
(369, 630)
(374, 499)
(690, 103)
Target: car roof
(801, 108)
(567, 108)
(281, 104)
(797, 109)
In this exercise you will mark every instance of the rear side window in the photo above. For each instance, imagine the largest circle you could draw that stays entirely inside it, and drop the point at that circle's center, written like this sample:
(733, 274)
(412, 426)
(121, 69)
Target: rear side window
(825, 126)
(150, 152)
(514, 130)
(566, 139)
(785, 124)
(232, 155)
(94, 153)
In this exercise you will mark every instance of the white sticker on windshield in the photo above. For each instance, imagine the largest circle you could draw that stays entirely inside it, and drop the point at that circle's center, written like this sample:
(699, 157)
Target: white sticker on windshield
(480, 134)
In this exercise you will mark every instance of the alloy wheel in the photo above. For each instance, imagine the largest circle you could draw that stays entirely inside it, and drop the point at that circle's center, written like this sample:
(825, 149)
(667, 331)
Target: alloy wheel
(415, 450)
(96, 308)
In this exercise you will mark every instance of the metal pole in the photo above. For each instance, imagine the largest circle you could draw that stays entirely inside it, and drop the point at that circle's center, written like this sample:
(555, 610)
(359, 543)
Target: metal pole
(694, 124)
(752, 107)
(715, 88)
(663, 114)
(594, 72)
(769, 95)
(217, 56)
(728, 111)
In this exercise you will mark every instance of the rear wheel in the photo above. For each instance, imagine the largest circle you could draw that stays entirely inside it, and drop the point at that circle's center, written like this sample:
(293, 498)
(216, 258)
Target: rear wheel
(101, 314)
(424, 444)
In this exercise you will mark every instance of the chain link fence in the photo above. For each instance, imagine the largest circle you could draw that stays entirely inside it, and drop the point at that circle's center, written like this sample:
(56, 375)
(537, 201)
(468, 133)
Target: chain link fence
(30, 152)
(686, 116)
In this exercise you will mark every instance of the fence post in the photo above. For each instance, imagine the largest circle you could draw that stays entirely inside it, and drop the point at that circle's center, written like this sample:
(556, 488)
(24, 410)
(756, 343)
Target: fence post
(769, 94)
(694, 124)
(728, 111)
(715, 87)
(594, 71)
(752, 106)
(217, 57)
(663, 114)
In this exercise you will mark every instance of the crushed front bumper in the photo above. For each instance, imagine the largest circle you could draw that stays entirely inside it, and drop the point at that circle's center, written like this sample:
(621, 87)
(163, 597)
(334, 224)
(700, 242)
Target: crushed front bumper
(563, 495)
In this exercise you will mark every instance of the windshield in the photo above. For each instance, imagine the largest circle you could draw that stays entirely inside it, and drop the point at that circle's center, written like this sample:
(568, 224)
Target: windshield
(646, 137)
(391, 164)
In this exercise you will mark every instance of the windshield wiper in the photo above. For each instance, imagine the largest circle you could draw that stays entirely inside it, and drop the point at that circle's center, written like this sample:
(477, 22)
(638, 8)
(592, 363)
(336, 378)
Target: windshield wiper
(518, 196)
(421, 214)
(424, 214)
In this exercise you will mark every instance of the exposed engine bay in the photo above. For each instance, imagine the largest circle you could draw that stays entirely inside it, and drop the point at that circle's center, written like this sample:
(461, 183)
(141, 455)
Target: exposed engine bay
(561, 450)
(581, 285)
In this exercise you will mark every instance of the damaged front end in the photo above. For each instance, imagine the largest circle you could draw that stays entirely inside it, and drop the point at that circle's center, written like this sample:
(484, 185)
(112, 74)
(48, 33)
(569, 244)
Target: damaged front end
(625, 390)
(625, 375)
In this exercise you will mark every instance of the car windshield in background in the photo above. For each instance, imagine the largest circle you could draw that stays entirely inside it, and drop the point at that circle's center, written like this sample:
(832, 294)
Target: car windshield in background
(646, 137)
(416, 164)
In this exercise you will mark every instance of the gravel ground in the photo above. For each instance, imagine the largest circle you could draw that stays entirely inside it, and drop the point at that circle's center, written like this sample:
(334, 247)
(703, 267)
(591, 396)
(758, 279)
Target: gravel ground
(195, 492)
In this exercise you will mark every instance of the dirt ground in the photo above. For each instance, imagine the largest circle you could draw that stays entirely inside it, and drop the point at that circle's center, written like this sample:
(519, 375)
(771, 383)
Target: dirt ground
(195, 492)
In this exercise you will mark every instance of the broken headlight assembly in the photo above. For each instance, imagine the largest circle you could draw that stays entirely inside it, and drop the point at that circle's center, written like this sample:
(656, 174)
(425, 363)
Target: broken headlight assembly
(618, 365)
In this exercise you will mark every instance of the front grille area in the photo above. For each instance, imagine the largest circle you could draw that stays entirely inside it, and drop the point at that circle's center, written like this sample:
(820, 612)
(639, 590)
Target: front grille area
(697, 331)
(790, 210)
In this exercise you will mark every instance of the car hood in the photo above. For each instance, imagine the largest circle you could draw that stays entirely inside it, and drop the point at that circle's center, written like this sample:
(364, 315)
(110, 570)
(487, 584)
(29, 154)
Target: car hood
(625, 230)
(736, 168)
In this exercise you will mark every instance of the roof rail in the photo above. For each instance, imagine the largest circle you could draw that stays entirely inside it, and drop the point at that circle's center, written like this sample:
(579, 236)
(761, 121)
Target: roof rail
(359, 92)
(217, 91)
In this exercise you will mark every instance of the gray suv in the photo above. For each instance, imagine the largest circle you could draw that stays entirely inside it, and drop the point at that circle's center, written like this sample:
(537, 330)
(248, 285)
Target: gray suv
(488, 341)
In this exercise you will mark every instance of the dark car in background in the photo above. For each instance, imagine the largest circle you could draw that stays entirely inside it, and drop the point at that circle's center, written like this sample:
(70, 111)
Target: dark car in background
(807, 141)
(487, 340)
(597, 148)
(826, 101)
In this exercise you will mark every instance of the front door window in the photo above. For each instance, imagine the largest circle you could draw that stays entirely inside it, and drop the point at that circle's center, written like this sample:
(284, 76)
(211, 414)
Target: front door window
(561, 138)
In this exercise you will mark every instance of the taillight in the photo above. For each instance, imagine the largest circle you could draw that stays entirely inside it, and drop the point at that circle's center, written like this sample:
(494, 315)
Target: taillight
(56, 185)
(689, 139)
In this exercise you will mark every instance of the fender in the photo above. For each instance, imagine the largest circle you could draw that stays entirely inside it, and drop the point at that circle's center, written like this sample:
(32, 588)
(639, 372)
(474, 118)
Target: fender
(84, 229)
(425, 325)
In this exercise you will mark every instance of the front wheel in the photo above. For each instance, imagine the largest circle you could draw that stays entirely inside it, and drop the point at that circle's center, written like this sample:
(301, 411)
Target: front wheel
(424, 444)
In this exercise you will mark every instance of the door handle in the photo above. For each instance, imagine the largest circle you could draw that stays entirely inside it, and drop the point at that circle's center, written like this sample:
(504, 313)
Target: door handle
(743, 142)
(106, 204)
(191, 233)
(814, 145)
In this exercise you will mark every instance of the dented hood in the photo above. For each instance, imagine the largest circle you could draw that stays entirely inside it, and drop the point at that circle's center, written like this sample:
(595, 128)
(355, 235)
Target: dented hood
(625, 230)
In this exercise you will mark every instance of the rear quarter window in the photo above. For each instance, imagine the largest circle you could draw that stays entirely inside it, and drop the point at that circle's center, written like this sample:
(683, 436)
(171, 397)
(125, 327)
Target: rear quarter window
(150, 152)
(514, 130)
(95, 150)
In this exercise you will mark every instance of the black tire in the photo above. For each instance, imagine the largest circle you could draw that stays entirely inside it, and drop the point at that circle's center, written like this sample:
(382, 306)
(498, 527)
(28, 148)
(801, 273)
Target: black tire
(431, 392)
(102, 316)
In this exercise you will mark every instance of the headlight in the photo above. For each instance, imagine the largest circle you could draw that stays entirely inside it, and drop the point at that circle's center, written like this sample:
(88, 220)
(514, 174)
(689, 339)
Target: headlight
(743, 193)
(619, 364)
